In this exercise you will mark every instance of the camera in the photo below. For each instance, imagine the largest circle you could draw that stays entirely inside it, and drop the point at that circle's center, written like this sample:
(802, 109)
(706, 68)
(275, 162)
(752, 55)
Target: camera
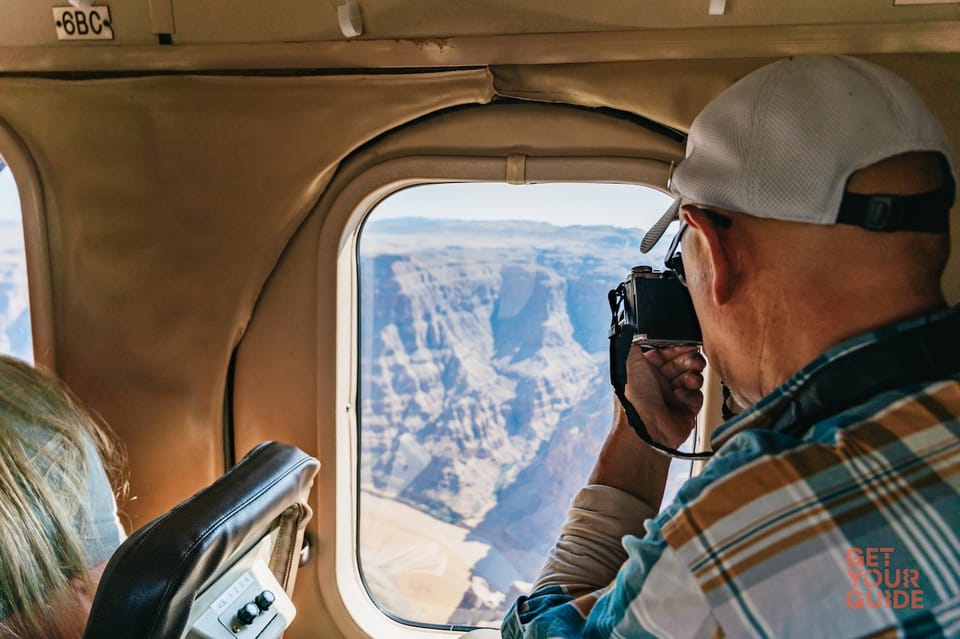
(657, 306)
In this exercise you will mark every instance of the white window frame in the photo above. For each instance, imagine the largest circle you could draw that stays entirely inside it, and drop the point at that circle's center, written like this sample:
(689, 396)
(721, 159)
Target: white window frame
(20, 163)
(353, 606)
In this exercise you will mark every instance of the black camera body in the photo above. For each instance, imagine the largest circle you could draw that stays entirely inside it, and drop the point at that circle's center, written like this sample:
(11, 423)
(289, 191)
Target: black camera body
(659, 309)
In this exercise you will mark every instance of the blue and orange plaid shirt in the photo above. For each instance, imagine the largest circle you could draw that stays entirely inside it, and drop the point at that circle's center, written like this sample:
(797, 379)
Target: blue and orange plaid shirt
(803, 524)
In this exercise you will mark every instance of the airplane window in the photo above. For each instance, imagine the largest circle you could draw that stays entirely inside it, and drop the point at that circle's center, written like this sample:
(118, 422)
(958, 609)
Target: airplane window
(15, 334)
(484, 388)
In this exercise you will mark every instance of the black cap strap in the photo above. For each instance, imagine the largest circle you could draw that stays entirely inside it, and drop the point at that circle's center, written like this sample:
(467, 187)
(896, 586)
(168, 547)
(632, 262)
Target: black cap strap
(925, 212)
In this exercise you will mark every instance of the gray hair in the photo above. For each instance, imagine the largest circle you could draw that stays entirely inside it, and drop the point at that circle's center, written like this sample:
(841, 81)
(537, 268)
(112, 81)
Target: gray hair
(53, 489)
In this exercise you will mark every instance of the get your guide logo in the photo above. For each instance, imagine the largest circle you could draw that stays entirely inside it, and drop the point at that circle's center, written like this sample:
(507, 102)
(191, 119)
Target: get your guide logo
(875, 581)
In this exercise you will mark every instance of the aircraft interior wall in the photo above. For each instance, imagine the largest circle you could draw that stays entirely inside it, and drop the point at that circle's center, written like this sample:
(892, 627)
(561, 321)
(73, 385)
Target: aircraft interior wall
(165, 203)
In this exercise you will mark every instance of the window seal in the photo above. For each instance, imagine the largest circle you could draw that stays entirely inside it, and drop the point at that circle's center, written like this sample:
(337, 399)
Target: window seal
(347, 212)
(37, 234)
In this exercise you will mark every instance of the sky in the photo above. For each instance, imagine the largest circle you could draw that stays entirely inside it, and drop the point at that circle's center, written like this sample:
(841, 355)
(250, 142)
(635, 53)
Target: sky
(9, 199)
(625, 205)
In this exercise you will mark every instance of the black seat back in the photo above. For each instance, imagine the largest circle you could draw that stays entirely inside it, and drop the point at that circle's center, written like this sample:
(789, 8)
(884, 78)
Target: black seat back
(149, 585)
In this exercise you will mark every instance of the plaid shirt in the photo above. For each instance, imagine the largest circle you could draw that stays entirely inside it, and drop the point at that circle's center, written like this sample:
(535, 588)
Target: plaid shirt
(803, 524)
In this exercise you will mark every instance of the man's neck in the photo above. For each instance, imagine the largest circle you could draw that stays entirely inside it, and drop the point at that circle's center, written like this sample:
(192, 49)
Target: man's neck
(791, 336)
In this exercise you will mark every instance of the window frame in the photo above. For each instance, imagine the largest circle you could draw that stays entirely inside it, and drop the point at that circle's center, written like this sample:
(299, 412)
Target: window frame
(359, 197)
(21, 164)
(303, 395)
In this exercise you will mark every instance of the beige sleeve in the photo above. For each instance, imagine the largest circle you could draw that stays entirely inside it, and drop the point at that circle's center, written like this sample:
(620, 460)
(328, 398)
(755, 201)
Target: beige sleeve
(589, 551)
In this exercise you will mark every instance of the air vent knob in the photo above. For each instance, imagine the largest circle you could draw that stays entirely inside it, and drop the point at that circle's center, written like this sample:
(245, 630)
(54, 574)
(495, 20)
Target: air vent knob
(248, 613)
(265, 599)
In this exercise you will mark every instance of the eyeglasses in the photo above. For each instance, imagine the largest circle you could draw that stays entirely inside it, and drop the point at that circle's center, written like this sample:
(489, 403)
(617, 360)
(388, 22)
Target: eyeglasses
(674, 261)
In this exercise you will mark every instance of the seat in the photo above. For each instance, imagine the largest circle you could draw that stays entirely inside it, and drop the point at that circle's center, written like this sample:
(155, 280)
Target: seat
(220, 564)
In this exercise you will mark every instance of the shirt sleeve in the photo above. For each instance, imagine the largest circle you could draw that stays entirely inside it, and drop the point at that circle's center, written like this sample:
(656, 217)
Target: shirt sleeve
(602, 581)
(589, 551)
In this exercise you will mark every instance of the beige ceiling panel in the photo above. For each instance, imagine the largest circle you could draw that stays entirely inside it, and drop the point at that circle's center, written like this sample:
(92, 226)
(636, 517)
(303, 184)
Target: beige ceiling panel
(733, 42)
(220, 21)
(30, 23)
(254, 21)
(168, 201)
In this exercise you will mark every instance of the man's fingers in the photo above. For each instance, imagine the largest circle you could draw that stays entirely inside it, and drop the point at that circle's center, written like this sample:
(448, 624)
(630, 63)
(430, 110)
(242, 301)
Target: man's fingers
(654, 356)
(692, 381)
(690, 399)
(660, 356)
(683, 364)
(664, 386)
(672, 351)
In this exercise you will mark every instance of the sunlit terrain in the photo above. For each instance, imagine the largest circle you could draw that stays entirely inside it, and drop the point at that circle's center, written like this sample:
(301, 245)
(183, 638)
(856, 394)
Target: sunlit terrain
(484, 401)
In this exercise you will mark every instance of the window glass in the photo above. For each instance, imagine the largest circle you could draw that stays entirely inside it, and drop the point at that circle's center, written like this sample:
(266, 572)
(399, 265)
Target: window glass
(15, 334)
(484, 389)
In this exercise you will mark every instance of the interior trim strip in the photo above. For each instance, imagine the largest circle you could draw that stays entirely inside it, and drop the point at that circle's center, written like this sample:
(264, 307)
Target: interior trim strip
(647, 44)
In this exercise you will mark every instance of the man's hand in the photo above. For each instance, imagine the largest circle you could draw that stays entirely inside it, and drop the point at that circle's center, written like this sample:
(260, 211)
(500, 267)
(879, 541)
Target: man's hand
(664, 387)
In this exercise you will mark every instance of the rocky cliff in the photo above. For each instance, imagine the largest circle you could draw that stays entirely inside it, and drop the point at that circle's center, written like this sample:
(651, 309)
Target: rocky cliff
(484, 394)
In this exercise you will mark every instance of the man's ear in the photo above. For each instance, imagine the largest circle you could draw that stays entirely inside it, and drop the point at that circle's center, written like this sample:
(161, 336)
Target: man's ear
(719, 252)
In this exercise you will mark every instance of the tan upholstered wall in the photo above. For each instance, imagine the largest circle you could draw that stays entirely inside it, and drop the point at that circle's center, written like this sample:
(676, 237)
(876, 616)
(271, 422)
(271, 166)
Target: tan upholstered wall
(168, 201)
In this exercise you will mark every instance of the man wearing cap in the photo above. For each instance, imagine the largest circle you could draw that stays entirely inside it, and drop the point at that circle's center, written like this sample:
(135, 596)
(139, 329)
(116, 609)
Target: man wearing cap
(813, 202)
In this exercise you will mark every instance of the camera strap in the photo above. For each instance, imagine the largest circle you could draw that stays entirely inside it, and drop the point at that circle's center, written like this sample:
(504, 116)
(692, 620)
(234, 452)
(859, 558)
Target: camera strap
(621, 340)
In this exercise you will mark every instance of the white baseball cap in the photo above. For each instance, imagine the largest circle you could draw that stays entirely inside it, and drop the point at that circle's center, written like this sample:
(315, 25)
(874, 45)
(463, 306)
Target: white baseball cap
(782, 142)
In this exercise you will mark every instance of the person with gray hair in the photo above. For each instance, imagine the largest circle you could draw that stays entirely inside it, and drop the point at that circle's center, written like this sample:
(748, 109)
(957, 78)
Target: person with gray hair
(813, 205)
(58, 512)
